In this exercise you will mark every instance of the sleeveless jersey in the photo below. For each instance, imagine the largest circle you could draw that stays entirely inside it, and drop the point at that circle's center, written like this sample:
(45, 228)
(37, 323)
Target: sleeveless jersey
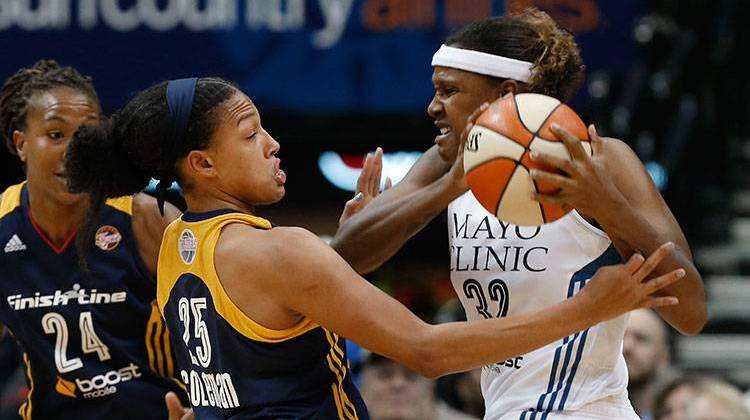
(499, 269)
(93, 342)
(233, 366)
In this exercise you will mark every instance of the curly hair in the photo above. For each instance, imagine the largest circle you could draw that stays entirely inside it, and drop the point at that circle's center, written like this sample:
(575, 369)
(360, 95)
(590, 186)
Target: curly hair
(531, 36)
(18, 90)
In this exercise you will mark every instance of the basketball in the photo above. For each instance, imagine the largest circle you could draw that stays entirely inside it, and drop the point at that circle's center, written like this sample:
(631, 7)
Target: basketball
(497, 157)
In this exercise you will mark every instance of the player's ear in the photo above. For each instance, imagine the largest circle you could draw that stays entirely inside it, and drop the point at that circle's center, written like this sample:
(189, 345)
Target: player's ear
(200, 163)
(19, 140)
(508, 86)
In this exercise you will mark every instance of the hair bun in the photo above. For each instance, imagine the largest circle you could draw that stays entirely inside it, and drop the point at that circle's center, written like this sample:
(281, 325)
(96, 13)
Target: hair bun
(94, 163)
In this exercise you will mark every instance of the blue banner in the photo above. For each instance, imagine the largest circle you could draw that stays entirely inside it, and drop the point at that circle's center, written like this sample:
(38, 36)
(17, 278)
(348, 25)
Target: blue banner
(301, 56)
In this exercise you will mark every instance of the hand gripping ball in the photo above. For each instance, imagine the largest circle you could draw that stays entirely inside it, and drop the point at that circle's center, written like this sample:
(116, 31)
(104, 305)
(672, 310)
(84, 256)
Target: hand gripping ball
(497, 157)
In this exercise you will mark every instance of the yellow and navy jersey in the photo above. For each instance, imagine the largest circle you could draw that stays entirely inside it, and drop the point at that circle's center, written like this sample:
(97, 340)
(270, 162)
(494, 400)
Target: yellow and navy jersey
(234, 367)
(94, 343)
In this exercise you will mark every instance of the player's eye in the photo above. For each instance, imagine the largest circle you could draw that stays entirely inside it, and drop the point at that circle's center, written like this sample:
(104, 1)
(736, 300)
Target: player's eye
(55, 134)
(252, 136)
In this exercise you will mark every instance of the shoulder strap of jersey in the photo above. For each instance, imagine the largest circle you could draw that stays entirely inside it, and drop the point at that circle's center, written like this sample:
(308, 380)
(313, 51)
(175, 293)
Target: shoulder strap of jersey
(11, 198)
(171, 269)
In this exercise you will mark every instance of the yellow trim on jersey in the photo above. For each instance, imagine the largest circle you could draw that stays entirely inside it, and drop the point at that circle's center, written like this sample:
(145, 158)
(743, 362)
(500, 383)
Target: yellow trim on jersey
(25, 410)
(124, 204)
(335, 365)
(157, 344)
(171, 267)
(11, 198)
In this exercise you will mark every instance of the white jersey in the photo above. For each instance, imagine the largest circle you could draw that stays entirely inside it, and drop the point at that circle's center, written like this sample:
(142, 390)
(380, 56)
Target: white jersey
(498, 270)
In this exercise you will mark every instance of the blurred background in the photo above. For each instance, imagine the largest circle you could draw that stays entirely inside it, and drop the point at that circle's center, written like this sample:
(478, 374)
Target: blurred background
(334, 79)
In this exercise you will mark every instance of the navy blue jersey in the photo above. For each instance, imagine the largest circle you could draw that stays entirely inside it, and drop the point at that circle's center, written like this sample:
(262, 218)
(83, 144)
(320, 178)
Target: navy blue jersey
(234, 367)
(93, 342)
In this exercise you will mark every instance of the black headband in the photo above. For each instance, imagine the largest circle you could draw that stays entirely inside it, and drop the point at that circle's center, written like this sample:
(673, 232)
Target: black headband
(180, 95)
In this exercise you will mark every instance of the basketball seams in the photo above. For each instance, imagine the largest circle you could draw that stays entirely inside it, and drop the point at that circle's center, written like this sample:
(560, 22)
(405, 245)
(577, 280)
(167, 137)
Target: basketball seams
(525, 128)
(536, 187)
(476, 167)
(518, 114)
(541, 126)
(505, 188)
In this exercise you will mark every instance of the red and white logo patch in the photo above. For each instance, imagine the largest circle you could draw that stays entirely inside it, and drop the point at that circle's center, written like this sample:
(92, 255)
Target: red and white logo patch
(107, 238)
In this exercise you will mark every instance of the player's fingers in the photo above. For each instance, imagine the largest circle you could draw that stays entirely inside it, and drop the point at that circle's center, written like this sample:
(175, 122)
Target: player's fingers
(364, 175)
(562, 164)
(572, 143)
(555, 180)
(635, 261)
(658, 302)
(596, 141)
(549, 198)
(351, 207)
(477, 112)
(653, 261)
(663, 281)
(471, 120)
(377, 172)
(388, 183)
(174, 406)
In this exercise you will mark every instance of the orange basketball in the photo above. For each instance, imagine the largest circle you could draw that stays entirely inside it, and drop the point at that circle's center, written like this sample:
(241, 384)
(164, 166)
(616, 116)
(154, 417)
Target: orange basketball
(497, 157)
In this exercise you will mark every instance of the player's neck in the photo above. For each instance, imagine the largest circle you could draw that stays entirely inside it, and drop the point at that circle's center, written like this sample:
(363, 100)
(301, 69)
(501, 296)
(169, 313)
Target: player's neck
(56, 221)
(200, 203)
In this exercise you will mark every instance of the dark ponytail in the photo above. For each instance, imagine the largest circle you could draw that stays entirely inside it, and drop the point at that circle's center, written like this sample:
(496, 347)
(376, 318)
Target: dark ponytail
(119, 156)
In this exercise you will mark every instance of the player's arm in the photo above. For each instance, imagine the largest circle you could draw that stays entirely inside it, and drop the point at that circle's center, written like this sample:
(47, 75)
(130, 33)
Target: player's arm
(310, 279)
(379, 230)
(615, 189)
(148, 227)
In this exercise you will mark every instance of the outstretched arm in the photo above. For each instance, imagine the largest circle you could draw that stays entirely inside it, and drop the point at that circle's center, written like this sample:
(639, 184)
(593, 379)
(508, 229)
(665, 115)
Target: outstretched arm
(614, 188)
(372, 236)
(312, 280)
(369, 238)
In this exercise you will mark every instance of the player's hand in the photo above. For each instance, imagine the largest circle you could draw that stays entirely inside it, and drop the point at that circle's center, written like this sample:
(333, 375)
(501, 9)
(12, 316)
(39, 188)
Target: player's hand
(585, 183)
(618, 289)
(175, 408)
(457, 169)
(368, 185)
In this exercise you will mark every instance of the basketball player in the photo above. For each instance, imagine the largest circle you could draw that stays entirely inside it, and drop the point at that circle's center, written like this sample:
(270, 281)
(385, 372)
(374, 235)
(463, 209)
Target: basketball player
(502, 270)
(94, 343)
(257, 311)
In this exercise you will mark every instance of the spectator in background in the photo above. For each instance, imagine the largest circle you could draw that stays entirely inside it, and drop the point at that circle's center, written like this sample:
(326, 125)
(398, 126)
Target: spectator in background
(700, 398)
(647, 354)
(394, 392)
(462, 391)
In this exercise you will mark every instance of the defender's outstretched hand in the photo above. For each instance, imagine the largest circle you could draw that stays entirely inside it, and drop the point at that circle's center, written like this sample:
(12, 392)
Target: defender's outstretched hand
(368, 185)
(618, 289)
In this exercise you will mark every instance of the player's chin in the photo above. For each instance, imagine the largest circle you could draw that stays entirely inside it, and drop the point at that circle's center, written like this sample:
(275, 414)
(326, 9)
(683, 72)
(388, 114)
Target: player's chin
(276, 195)
(67, 198)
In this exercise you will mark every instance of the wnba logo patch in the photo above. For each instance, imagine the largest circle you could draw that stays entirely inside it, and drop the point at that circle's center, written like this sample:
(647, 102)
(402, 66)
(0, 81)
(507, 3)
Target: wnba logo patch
(187, 246)
(107, 238)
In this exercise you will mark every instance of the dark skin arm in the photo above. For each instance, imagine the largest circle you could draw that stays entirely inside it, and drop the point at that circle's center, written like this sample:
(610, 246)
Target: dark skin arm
(379, 230)
(373, 235)
(148, 227)
(613, 188)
